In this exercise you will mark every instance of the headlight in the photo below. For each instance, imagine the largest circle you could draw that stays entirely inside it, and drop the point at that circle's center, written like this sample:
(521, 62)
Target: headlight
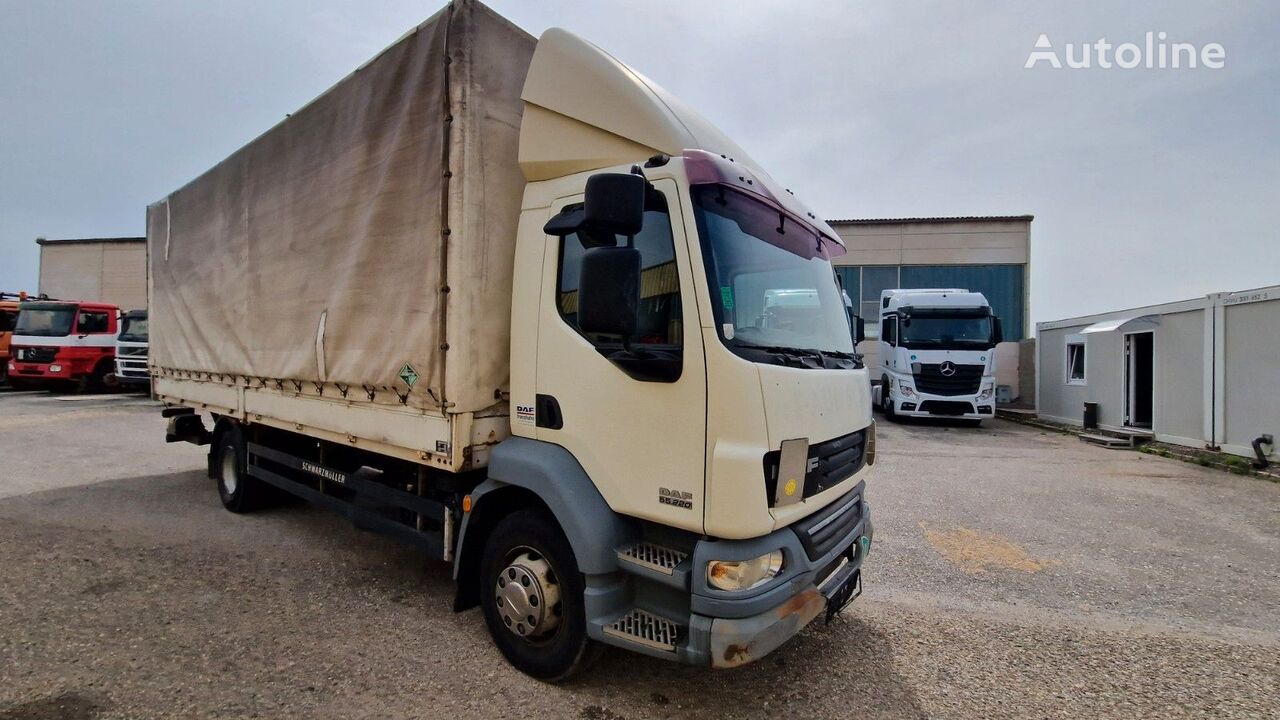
(985, 394)
(906, 390)
(737, 575)
(55, 368)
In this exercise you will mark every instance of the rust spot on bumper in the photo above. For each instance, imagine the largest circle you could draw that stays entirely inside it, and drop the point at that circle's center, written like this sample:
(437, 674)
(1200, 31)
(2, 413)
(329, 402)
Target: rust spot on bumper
(736, 642)
(737, 655)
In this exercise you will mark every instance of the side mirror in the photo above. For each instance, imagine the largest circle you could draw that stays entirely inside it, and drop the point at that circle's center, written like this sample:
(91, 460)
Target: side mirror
(609, 291)
(997, 331)
(859, 330)
(614, 205)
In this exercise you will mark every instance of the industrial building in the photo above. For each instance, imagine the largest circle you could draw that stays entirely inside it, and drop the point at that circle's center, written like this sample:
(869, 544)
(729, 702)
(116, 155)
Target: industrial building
(1200, 373)
(986, 254)
(108, 270)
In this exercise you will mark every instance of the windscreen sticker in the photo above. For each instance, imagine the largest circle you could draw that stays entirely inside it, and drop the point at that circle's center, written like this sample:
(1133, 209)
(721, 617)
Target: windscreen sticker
(727, 329)
(726, 297)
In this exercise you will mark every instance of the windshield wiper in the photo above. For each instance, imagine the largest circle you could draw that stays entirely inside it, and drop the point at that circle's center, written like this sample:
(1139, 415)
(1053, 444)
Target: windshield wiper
(797, 352)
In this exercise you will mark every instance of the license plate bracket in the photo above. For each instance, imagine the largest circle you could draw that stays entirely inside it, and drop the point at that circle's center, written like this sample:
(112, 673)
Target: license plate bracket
(846, 590)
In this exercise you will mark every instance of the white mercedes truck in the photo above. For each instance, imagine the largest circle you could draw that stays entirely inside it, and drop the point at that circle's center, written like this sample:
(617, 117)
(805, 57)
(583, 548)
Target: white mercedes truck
(507, 300)
(936, 354)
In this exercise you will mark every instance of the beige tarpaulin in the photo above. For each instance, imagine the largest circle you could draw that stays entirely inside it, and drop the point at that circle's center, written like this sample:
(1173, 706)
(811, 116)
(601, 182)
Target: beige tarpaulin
(321, 252)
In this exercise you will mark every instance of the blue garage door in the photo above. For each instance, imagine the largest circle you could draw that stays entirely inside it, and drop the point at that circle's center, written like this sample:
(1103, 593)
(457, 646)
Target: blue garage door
(1003, 285)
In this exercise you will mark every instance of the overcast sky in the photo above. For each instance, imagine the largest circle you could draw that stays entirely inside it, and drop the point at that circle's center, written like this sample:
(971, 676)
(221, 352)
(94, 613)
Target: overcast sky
(1146, 185)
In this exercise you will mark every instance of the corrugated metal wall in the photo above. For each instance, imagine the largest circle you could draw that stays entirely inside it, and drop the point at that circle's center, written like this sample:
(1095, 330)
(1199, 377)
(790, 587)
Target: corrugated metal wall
(111, 272)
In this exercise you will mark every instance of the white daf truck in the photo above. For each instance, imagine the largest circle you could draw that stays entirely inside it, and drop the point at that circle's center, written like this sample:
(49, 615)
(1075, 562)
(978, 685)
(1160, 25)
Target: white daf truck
(507, 300)
(936, 354)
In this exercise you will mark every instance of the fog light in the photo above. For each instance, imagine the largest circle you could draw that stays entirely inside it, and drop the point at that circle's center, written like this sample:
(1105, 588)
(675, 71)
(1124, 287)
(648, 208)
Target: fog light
(737, 575)
(55, 368)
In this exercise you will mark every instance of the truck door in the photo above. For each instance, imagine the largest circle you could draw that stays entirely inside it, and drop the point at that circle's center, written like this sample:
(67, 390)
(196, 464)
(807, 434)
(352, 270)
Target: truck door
(642, 441)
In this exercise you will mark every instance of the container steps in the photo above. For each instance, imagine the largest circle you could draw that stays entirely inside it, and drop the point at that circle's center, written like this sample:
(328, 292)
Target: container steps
(1120, 439)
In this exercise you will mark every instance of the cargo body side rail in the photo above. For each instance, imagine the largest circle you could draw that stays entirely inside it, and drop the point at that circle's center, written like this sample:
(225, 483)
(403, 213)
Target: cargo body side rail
(361, 496)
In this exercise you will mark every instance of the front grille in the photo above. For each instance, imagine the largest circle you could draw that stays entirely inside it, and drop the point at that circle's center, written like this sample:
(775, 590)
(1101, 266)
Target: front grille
(126, 350)
(36, 354)
(930, 378)
(830, 463)
(946, 407)
(821, 532)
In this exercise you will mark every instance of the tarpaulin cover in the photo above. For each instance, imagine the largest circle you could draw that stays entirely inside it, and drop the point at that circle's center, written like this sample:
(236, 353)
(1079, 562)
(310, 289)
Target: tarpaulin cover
(321, 251)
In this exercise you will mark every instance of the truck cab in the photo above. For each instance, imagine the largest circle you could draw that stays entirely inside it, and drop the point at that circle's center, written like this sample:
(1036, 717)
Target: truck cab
(63, 344)
(131, 350)
(937, 354)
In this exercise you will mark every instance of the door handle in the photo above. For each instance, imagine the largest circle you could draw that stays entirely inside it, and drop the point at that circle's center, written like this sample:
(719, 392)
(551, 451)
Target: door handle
(547, 411)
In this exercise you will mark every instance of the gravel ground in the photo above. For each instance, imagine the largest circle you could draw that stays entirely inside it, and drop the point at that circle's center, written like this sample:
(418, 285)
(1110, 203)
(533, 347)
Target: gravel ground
(1014, 574)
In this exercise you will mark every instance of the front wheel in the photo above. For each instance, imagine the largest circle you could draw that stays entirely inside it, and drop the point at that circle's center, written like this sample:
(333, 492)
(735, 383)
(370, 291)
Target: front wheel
(532, 595)
(886, 401)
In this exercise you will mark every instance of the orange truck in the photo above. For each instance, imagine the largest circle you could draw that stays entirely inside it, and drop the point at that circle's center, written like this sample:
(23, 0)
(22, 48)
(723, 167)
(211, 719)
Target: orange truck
(8, 318)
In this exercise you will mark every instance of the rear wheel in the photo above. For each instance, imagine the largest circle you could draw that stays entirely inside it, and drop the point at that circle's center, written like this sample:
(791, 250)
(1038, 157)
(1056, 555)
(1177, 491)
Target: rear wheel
(239, 492)
(532, 595)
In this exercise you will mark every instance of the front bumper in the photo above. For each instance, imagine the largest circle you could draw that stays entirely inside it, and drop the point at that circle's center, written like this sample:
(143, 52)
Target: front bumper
(941, 406)
(823, 554)
(738, 641)
(132, 372)
(41, 371)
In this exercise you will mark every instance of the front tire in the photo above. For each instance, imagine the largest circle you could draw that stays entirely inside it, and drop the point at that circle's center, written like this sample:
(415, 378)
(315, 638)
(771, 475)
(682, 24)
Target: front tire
(532, 597)
(886, 400)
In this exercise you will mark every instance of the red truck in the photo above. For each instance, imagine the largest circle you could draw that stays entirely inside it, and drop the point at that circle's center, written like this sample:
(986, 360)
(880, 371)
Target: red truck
(63, 344)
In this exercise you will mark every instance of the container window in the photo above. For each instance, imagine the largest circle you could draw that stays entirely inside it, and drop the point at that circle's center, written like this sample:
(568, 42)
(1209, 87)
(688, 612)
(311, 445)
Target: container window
(1075, 363)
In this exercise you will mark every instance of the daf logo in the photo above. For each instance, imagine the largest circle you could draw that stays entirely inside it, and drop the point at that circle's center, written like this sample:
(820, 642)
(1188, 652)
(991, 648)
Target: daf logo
(947, 369)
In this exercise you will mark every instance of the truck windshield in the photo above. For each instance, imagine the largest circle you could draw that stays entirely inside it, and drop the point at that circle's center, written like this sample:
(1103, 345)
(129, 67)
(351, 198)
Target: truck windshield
(135, 329)
(947, 330)
(45, 321)
(772, 284)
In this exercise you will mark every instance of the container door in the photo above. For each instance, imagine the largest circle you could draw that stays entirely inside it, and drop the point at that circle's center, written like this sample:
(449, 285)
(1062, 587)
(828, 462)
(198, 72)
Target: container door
(641, 440)
(1139, 352)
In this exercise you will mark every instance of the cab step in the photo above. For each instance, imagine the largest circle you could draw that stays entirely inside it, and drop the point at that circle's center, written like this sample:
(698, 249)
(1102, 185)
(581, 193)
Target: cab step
(645, 628)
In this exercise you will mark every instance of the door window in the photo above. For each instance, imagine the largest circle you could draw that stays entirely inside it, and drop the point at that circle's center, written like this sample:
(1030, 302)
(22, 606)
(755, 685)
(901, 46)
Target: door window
(92, 322)
(659, 323)
(889, 330)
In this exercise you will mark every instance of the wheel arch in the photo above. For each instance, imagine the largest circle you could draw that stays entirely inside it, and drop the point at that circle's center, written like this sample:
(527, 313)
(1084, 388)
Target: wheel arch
(527, 474)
